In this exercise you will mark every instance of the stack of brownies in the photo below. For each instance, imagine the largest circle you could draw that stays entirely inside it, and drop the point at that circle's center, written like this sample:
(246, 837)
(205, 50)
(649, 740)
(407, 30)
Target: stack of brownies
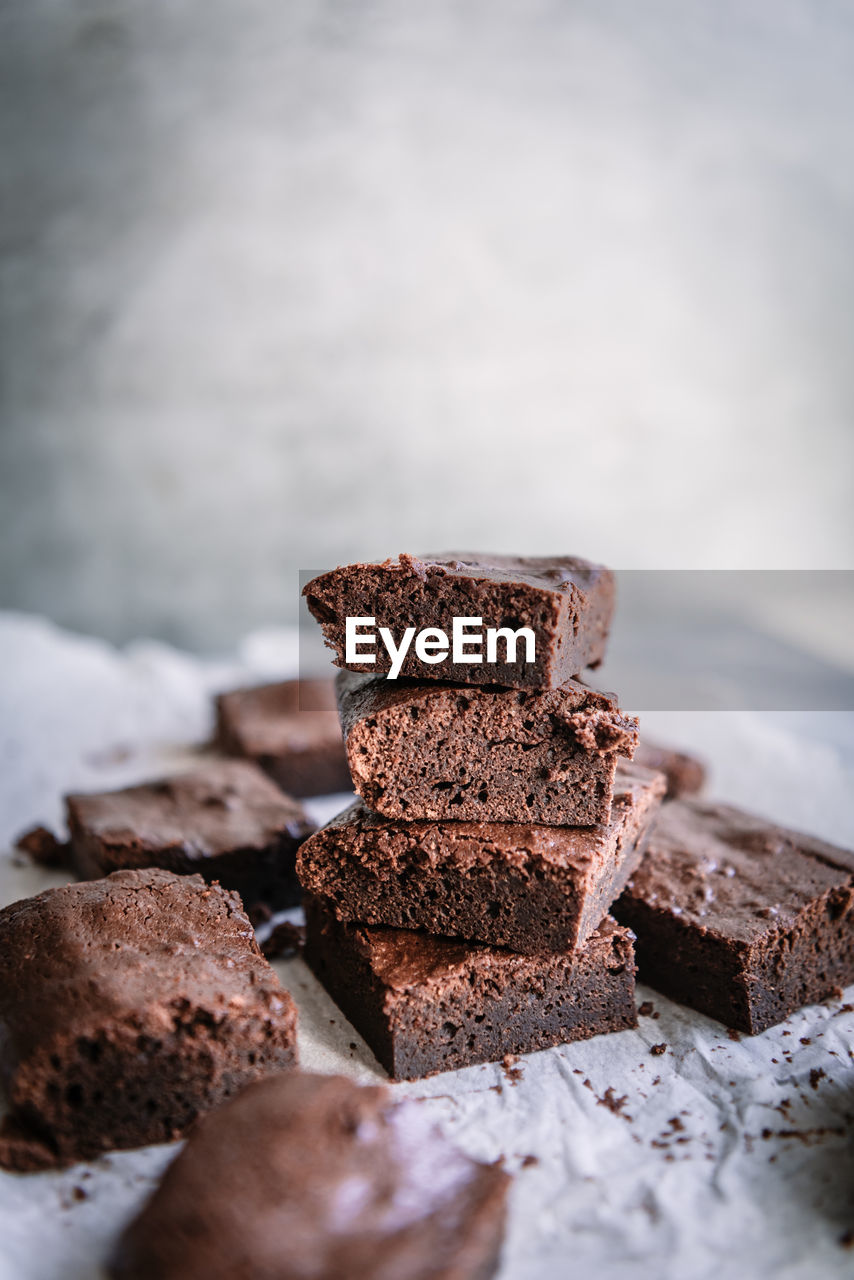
(457, 912)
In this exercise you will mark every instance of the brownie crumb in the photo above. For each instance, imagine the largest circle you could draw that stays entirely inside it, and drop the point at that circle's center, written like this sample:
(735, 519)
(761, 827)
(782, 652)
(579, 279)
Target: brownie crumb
(805, 1135)
(513, 1073)
(613, 1103)
(846, 1240)
(658, 1049)
(806, 1040)
(79, 1193)
(529, 1161)
(285, 940)
(646, 1009)
(816, 1075)
(733, 1034)
(43, 848)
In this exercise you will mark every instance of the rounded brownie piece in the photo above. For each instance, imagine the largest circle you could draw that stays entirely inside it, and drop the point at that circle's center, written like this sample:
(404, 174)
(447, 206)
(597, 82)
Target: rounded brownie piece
(128, 1006)
(315, 1176)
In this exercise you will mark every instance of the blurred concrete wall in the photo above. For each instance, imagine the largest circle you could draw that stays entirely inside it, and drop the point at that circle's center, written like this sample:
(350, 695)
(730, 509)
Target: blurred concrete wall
(286, 283)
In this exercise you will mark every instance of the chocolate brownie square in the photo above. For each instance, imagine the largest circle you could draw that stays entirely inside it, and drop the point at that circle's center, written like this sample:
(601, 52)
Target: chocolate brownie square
(128, 1006)
(227, 821)
(739, 918)
(314, 1176)
(447, 751)
(291, 730)
(567, 603)
(530, 888)
(426, 1004)
(685, 774)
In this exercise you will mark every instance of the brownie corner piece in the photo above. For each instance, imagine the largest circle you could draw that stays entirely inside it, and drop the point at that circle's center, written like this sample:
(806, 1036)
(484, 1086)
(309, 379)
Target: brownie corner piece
(224, 819)
(566, 601)
(739, 918)
(426, 1004)
(290, 729)
(310, 1175)
(128, 1006)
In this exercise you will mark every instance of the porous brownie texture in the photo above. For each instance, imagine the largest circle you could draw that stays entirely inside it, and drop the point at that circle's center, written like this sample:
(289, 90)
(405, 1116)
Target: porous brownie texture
(314, 1176)
(291, 730)
(448, 751)
(128, 1006)
(426, 1004)
(226, 820)
(530, 888)
(567, 602)
(739, 918)
(685, 774)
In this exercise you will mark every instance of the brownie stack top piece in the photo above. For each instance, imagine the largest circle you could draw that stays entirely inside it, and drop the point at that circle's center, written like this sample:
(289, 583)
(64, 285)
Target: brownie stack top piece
(435, 750)
(128, 1005)
(314, 1176)
(740, 918)
(529, 887)
(567, 603)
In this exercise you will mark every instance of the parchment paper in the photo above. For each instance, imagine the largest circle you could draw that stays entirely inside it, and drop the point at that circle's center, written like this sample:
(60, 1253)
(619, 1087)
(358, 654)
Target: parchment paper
(714, 1156)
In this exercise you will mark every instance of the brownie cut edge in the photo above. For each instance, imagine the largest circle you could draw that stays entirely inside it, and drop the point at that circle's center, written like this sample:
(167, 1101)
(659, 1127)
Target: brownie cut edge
(431, 750)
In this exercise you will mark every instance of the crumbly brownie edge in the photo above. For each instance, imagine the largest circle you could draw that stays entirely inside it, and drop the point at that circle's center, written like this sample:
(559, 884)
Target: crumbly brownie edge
(117, 1088)
(438, 751)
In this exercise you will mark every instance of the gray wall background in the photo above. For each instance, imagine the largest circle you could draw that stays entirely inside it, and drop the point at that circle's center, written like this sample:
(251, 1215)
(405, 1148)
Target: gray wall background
(288, 283)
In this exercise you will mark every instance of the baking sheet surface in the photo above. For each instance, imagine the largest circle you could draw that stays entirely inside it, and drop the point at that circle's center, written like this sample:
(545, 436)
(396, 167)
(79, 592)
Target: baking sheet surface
(677, 1150)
